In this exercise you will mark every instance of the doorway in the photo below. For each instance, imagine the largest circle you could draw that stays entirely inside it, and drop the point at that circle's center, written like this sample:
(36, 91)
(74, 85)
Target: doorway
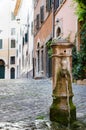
(12, 73)
(2, 69)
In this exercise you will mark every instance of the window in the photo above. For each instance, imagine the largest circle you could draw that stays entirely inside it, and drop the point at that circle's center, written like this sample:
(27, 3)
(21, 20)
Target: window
(12, 43)
(12, 60)
(12, 16)
(12, 31)
(37, 21)
(32, 28)
(19, 48)
(23, 60)
(57, 3)
(42, 14)
(23, 41)
(26, 37)
(60, 1)
(17, 52)
(0, 43)
(35, 3)
(48, 5)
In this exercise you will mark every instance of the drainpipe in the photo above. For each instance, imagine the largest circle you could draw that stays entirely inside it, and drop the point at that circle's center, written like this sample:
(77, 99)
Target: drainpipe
(53, 19)
(33, 67)
(8, 52)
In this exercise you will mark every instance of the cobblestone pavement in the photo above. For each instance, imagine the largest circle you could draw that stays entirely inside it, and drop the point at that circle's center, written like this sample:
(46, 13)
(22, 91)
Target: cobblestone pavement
(24, 103)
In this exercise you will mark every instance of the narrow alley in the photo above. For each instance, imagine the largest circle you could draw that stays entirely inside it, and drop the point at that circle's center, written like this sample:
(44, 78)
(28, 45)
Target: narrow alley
(42, 51)
(24, 103)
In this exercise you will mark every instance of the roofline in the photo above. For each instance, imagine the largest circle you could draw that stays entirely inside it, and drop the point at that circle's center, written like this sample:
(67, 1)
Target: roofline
(17, 6)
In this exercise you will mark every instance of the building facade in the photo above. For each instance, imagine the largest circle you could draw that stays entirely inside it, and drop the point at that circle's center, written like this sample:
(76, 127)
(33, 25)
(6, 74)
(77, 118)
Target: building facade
(8, 42)
(25, 47)
(15, 51)
(53, 19)
(43, 26)
(66, 24)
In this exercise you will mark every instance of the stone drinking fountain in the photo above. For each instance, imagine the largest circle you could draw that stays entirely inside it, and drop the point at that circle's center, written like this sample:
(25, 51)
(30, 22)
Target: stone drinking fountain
(62, 109)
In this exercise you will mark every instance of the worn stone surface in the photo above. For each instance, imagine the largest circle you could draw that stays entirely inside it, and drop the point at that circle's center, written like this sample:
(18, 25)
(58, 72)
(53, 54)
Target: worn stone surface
(62, 109)
(25, 104)
(81, 82)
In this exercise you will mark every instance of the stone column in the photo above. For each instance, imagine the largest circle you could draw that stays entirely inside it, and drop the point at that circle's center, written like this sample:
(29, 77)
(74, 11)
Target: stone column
(62, 109)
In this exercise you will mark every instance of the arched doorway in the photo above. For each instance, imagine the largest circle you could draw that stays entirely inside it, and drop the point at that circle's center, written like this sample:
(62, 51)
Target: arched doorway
(2, 69)
(12, 73)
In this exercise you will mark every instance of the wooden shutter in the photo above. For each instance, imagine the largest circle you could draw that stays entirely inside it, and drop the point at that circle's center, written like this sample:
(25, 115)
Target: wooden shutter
(26, 37)
(42, 14)
(37, 21)
(56, 4)
(48, 5)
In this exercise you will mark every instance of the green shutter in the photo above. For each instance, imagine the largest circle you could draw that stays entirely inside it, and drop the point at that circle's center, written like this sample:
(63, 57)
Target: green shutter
(48, 5)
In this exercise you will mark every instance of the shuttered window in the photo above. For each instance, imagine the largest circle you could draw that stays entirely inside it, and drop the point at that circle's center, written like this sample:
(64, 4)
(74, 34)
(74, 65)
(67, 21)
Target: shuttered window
(12, 60)
(42, 14)
(0, 43)
(26, 37)
(12, 16)
(48, 5)
(60, 1)
(23, 41)
(12, 43)
(32, 28)
(37, 21)
(13, 31)
(56, 4)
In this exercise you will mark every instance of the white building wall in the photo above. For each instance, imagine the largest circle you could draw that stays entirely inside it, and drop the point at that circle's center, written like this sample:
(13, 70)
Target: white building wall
(6, 24)
(31, 15)
(26, 18)
(6, 7)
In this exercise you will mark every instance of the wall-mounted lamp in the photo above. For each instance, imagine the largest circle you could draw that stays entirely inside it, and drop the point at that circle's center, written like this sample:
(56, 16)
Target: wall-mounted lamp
(57, 20)
(18, 20)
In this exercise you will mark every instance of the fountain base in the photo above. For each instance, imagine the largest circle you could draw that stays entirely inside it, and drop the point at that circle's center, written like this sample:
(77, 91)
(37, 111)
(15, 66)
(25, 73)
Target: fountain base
(61, 114)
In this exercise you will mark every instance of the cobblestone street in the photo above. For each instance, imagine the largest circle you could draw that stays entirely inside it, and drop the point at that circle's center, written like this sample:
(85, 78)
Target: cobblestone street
(24, 101)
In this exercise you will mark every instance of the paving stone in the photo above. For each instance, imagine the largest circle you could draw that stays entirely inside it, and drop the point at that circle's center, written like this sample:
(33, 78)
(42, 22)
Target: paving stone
(22, 101)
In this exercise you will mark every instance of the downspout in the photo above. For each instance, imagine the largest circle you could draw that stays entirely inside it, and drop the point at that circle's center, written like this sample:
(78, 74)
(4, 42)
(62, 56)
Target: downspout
(53, 19)
(8, 53)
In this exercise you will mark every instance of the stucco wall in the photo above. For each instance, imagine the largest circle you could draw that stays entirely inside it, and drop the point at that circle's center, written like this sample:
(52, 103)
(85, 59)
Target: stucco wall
(67, 20)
